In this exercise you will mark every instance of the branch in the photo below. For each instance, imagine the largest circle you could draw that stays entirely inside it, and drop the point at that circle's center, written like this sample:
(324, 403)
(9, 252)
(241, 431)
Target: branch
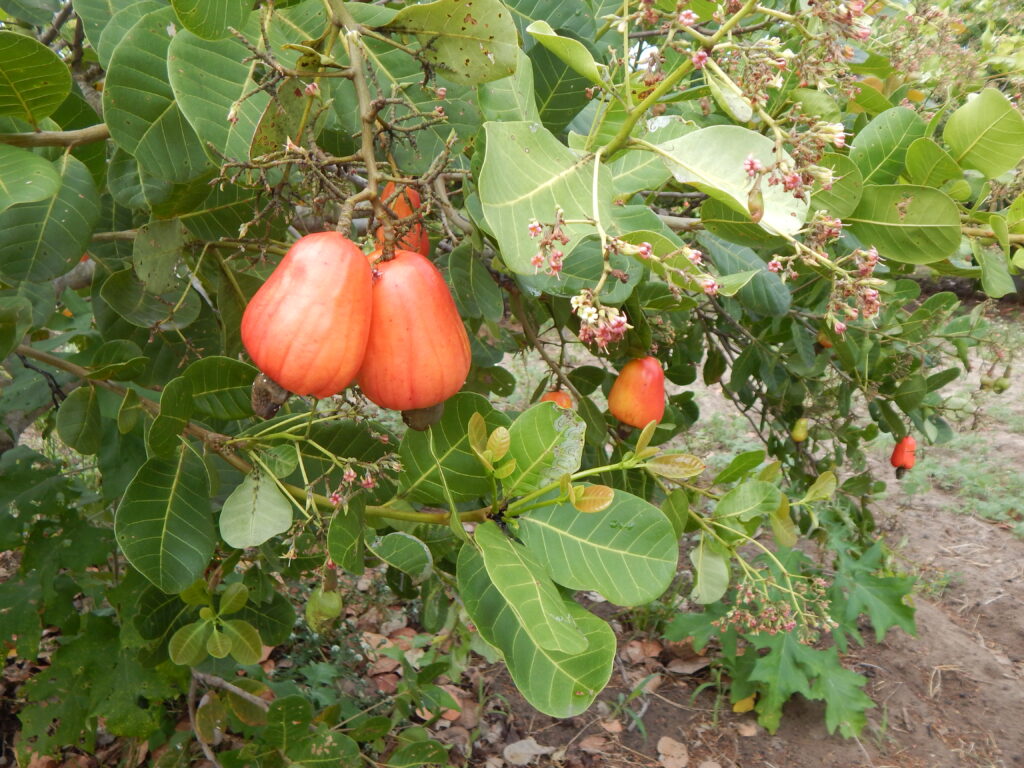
(213, 681)
(681, 223)
(88, 135)
(978, 232)
(58, 21)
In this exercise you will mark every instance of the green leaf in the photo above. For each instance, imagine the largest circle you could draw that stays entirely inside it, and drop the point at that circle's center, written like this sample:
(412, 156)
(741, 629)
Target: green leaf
(274, 619)
(211, 19)
(15, 320)
(743, 509)
(637, 169)
(710, 571)
(529, 592)
(283, 117)
(139, 106)
(79, 421)
(575, 16)
(711, 160)
(995, 273)
(546, 443)
(907, 224)
(33, 79)
(986, 134)
(764, 293)
(583, 269)
(823, 488)
(233, 599)
(930, 165)
(164, 435)
(510, 98)
(221, 387)
(25, 177)
(558, 684)
(572, 52)
(255, 512)
(845, 700)
(527, 173)
(467, 41)
(156, 251)
(628, 551)
(218, 644)
(475, 292)
(560, 93)
(785, 670)
(45, 239)
(163, 522)
(118, 360)
(438, 464)
(170, 311)
(418, 753)
(246, 647)
(847, 186)
(188, 645)
(288, 722)
(130, 412)
(118, 22)
(880, 148)
(345, 536)
(740, 466)
(783, 528)
(325, 748)
(406, 553)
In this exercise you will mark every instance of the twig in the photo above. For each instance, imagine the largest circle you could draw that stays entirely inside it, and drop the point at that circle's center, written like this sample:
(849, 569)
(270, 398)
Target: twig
(218, 682)
(58, 21)
(88, 135)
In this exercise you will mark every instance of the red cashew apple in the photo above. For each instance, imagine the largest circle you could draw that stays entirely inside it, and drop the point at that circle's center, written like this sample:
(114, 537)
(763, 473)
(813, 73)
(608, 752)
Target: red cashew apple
(558, 397)
(418, 351)
(405, 204)
(306, 327)
(638, 394)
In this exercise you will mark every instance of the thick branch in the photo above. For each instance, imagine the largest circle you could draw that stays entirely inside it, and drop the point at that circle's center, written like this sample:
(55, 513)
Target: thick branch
(212, 681)
(58, 21)
(88, 135)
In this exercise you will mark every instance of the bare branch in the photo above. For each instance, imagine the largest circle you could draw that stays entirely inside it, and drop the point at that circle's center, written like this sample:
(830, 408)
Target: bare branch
(57, 138)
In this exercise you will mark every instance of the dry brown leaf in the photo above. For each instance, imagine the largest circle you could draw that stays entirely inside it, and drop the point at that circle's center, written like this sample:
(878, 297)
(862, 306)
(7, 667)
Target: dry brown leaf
(525, 751)
(653, 683)
(594, 744)
(612, 726)
(386, 684)
(672, 753)
(747, 729)
(688, 666)
(382, 665)
(373, 642)
(710, 764)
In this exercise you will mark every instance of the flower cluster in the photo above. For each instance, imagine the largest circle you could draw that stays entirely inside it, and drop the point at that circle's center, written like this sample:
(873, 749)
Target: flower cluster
(755, 611)
(822, 230)
(599, 324)
(857, 295)
(548, 256)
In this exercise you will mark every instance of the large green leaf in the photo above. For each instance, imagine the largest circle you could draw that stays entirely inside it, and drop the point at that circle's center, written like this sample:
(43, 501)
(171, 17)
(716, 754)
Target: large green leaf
(986, 133)
(211, 19)
(139, 105)
(79, 421)
(345, 536)
(44, 239)
(475, 291)
(583, 268)
(880, 148)
(908, 224)
(930, 165)
(438, 465)
(529, 591)
(36, 177)
(163, 522)
(527, 173)
(560, 92)
(170, 311)
(164, 434)
(510, 98)
(558, 684)
(569, 50)
(156, 253)
(221, 387)
(255, 512)
(468, 41)
(711, 160)
(847, 186)
(15, 320)
(576, 16)
(710, 570)
(628, 552)
(547, 442)
(33, 79)
(118, 24)
(637, 169)
(406, 553)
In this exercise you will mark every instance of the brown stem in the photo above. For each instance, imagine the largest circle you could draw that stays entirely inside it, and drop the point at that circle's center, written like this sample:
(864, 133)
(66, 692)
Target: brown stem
(88, 135)
(58, 21)
(213, 681)
(978, 232)
(515, 303)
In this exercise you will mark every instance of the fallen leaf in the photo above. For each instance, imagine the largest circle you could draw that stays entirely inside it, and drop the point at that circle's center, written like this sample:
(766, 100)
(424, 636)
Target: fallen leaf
(744, 705)
(386, 684)
(525, 751)
(747, 729)
(688, 666)
(612, 726)
(710, 764)
(653, 683)
(383, 664)
(594, 744)
(672, 753)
